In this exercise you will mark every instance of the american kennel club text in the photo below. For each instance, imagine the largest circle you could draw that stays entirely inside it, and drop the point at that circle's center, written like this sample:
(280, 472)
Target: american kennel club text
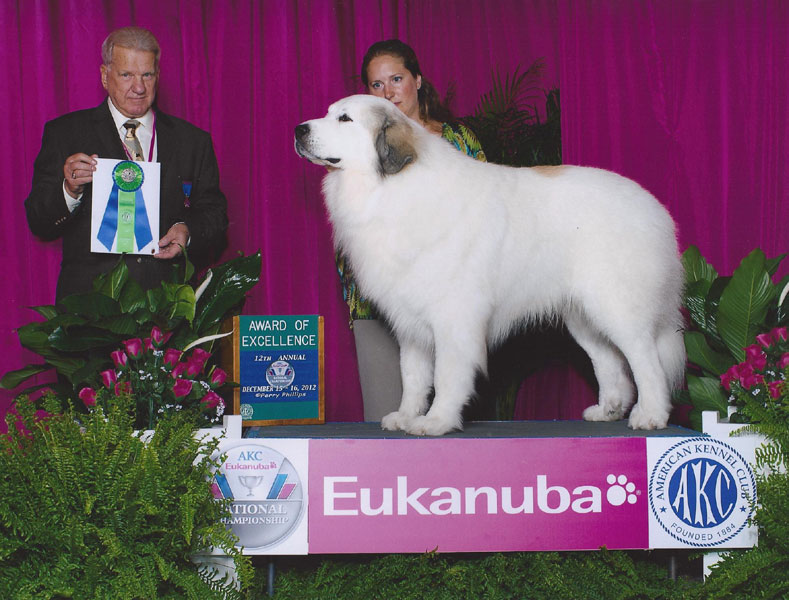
(702, 492)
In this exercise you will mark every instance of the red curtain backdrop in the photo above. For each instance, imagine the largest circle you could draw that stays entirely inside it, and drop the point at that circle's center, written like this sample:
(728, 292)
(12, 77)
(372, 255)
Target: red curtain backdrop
(687, 97)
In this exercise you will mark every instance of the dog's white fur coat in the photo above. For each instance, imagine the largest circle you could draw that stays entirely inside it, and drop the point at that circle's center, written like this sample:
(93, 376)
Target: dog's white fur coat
(457, 254)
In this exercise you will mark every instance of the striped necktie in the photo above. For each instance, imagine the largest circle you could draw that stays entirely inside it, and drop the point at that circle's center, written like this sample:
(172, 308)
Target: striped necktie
(131, 140)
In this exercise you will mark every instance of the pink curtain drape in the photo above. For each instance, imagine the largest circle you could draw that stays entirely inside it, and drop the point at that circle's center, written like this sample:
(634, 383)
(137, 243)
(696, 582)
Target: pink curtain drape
(686, 97)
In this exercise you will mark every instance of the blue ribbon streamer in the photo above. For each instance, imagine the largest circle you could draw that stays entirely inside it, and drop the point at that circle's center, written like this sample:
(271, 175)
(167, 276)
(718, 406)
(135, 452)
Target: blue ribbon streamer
(109, 223)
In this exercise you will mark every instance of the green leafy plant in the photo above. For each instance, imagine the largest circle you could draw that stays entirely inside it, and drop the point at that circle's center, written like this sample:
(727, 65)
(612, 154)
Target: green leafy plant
(78, 335)
(759, 388)
(726, 314)
(603, 575)
(91, 510)
(508, 124)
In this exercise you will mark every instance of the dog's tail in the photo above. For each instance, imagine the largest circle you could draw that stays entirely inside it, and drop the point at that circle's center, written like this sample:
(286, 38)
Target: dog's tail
(671, 351)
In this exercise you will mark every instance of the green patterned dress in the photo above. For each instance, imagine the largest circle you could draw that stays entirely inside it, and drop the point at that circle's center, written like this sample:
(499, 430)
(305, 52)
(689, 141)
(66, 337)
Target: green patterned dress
(360, 308)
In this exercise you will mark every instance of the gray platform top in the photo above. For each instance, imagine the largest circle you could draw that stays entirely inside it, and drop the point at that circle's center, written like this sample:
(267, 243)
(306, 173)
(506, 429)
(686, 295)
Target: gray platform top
(474, 429)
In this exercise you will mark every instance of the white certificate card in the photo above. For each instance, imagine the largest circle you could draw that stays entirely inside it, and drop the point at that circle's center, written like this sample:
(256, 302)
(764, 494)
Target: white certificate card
(125, 211)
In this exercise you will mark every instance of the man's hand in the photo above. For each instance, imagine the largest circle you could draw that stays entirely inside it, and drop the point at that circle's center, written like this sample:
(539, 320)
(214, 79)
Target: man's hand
(78, 171)
(175, 239)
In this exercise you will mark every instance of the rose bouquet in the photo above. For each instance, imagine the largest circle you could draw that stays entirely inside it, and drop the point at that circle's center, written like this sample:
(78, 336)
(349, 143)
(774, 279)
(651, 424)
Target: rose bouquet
(758, 386)
(160, 379)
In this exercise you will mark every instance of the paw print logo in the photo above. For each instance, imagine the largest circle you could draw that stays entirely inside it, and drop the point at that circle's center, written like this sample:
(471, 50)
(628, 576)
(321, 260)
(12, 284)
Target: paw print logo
(621, 490)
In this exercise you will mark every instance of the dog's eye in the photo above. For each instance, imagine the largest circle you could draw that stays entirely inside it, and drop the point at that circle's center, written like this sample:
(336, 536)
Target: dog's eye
(344, 117)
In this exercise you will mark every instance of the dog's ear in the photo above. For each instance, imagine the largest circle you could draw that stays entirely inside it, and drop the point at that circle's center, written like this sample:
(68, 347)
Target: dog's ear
(394, 145)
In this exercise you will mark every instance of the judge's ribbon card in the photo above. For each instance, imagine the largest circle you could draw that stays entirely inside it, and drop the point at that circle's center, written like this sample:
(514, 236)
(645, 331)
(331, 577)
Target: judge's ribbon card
(125, 212)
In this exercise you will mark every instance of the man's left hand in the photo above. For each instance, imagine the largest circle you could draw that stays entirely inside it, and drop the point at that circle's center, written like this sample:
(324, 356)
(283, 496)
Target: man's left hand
(175, 239)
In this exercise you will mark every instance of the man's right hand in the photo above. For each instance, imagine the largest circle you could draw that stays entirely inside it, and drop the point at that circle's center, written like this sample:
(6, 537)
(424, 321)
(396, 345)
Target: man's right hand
(78, 171)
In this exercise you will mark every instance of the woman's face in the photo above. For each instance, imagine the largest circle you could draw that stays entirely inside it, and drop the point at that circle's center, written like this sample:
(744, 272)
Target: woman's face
(388, 78)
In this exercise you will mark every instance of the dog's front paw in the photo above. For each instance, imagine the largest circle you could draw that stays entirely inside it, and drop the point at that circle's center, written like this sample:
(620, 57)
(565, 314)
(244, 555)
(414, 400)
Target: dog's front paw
(599, 412)
(644, 419)
(396, 421)
(432, 425)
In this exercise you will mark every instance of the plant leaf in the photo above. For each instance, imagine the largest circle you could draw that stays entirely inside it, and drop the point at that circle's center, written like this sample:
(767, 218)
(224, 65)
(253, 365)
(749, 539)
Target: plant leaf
(706, 393)
(92, 304)
(132, 297)
(774, 263)
(181, 299)
(111, 284)
(700, 353)
(744, 304)
(230, 282)
(13, 378)
(47, 311)
(696, 267)
(79, 339)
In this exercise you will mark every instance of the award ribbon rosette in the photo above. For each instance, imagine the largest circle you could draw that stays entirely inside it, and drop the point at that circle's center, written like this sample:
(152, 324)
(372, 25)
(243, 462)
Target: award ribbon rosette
(125, 212)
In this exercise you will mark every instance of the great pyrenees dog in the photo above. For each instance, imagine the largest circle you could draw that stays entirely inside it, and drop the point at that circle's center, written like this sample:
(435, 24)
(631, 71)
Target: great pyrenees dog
(458, 254)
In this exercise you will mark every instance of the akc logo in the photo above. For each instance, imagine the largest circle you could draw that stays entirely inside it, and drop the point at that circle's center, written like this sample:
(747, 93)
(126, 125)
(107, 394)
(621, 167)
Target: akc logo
(280, 374)
(701, 492)
(268, 500)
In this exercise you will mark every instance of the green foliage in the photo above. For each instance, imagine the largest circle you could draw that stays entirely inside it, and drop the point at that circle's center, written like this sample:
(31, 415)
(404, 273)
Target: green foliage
(726, 314)
(508, 125)
(761, 395)
(544, 575)
(89, 510)
(77, 335)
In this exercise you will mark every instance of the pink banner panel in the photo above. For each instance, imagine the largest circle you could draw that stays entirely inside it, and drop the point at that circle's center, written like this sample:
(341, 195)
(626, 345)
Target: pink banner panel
(477, 495)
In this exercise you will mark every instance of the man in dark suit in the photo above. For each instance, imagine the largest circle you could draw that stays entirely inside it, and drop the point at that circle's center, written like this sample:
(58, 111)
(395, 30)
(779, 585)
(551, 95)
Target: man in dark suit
(192, 207)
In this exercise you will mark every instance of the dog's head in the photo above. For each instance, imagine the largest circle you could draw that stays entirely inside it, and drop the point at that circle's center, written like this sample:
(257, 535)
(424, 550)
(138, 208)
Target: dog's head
(359, 133)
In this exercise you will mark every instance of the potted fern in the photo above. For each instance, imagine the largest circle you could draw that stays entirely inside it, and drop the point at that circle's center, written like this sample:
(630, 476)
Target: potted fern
(90, 510)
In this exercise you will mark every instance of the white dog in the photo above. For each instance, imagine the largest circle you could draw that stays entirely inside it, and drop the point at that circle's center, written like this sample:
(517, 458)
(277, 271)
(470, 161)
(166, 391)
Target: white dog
(457, 254)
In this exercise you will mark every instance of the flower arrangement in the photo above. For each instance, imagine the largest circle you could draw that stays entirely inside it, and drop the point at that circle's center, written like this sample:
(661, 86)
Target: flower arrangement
(759, 383)
(727, 315)
(160, 379)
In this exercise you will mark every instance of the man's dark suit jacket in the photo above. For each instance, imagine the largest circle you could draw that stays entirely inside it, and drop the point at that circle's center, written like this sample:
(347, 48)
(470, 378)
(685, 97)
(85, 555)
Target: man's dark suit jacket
(185, 152)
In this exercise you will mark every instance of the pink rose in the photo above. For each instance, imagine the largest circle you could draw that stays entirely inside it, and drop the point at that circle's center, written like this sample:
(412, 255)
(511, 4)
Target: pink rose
(218, 377)
(158, 337)
(123, 387)
(726, 379)
(212, 400)
(119, 358)
(783, 362)
(133, 347)
(88, 396)
(148, 344)
(780, 334)
(182, 387)
(749, 381)
(755, 357)
(108, 377)
(775, 388)
(193, 367)
(178, 370)
(765, 339)
(199, 355)
(172, 356)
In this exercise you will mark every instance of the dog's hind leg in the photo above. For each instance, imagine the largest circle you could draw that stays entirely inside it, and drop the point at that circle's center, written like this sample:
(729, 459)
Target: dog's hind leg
(610, 368)
(461, 353)
(416, 371)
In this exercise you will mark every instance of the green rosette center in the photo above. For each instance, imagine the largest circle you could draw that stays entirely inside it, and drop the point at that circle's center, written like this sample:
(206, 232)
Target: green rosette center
(128, 176)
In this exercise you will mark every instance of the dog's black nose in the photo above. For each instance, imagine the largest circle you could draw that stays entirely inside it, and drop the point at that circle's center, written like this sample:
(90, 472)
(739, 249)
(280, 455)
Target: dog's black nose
(302, 130)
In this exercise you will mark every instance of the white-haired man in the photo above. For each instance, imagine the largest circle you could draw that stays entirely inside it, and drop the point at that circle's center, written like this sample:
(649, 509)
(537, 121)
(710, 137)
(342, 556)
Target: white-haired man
(127, 125)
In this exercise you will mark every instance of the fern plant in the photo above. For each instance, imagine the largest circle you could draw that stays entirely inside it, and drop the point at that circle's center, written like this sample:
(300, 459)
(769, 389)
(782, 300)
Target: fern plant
(90, 510)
